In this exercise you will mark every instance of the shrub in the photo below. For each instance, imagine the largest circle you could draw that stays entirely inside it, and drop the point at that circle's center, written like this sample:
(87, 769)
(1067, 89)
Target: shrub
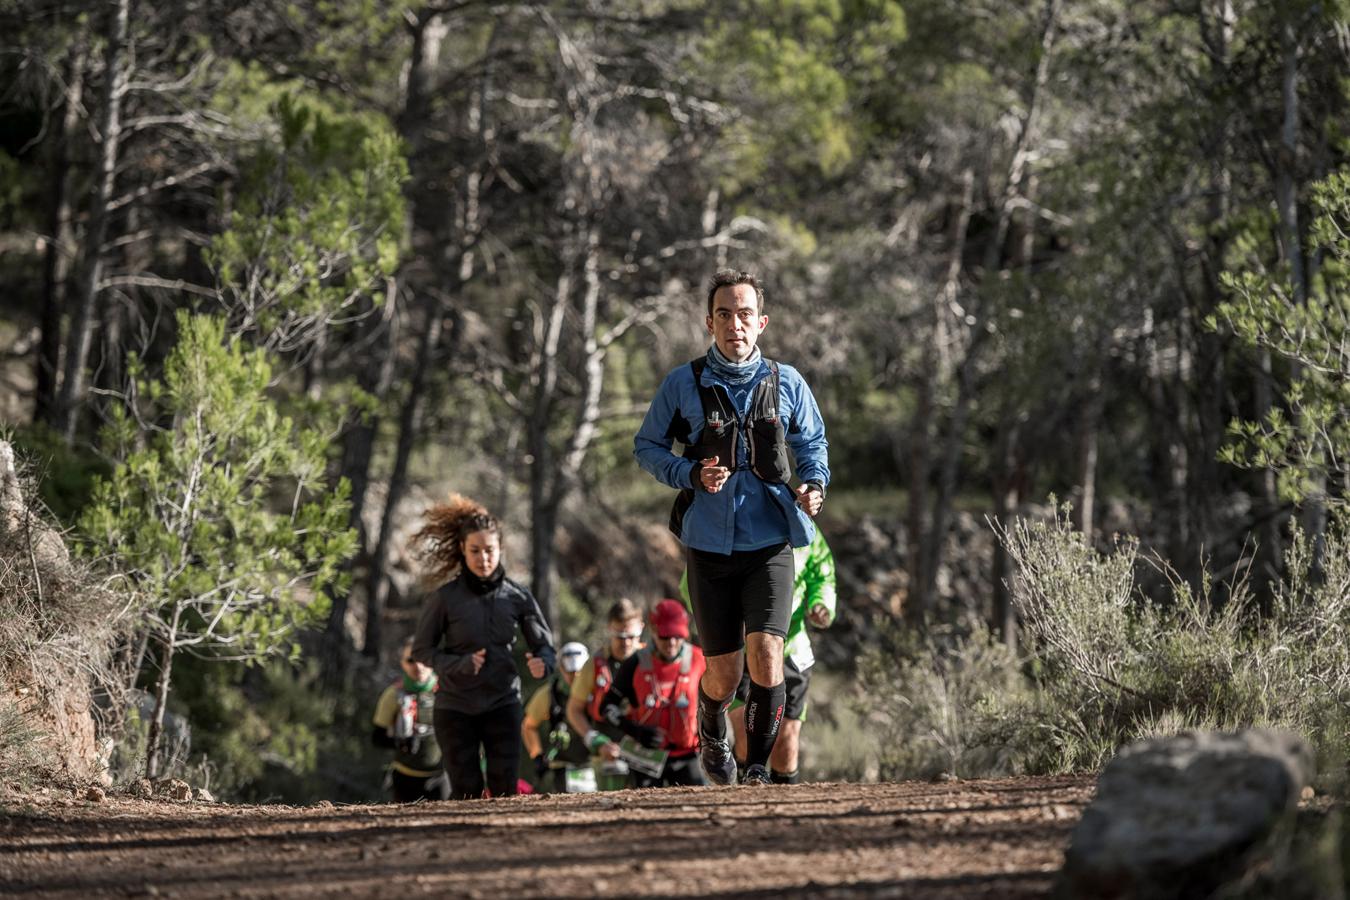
(942, 705)
(1103, 665)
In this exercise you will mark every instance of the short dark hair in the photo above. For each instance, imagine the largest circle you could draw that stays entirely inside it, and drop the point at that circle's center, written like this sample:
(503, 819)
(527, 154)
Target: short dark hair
(623, 610)
(730, 277)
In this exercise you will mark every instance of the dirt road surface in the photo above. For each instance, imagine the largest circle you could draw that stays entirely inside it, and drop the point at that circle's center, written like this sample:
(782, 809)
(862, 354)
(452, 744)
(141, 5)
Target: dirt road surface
(988, 839)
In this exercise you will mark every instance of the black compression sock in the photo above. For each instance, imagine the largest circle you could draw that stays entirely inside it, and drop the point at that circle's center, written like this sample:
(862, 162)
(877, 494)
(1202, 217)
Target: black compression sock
(792, 777)
(763, 713)
(712, 715)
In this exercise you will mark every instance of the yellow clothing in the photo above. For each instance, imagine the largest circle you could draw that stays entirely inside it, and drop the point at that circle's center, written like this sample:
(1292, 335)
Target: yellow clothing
(385, 712)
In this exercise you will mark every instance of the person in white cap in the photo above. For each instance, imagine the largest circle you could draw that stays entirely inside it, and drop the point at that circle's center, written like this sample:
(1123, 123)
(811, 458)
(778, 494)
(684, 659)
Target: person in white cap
(557, 748)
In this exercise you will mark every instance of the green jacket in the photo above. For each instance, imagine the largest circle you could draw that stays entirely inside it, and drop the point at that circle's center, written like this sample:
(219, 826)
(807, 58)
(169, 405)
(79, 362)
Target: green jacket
(812, 586)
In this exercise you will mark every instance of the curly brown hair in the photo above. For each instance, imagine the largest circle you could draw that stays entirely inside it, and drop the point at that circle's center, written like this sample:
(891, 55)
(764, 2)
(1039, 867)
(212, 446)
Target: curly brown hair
(440, 543)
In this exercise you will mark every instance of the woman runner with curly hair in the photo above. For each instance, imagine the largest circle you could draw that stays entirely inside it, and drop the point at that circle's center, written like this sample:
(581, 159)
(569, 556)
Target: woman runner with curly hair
(466, 633)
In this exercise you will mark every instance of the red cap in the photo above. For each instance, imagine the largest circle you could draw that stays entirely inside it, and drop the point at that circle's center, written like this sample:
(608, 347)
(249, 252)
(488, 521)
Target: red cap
(670, 620)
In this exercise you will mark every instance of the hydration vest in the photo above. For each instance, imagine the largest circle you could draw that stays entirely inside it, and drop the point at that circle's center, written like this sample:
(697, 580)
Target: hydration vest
(724, 432)
(566, 746)
(415, 748)
(673, 709)
(604, 677)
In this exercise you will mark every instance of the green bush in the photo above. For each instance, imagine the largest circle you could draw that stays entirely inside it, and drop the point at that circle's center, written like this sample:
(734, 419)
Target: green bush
(273, 732)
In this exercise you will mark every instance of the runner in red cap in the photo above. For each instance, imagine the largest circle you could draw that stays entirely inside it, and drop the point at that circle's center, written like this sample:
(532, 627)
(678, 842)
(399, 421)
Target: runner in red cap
(654, 700)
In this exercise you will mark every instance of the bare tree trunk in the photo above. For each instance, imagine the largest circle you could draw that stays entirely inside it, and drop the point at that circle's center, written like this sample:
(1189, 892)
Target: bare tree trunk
(1089, 428)
(1017, 166)
(1015, 184)
(950, 467)
(1007, 497)
(1313, 517)
(155, 736)
(427, 32)
(409, 427)
(921, 529)
(358, 448)
(61, 244)
(563, 479)
(543, 517)
(116, 74)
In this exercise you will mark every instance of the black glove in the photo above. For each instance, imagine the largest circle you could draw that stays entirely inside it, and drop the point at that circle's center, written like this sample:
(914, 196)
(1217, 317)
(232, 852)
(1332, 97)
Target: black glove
(541, 765)
(645, 735)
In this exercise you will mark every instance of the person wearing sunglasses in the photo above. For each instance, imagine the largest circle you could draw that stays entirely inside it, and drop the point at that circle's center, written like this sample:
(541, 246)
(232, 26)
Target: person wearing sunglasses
(466, 634)
(624, 624)
(403, 722)
(736, 416)
(654, 700)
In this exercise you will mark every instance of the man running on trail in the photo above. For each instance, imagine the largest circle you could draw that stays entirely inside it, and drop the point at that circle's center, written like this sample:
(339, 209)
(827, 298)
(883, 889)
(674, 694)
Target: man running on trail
(814, 602)
(589, 689)
(654, 698)
(403, 721)
(736, 415)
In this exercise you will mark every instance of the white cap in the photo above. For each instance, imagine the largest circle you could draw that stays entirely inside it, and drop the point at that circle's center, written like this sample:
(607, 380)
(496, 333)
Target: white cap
(573, 656)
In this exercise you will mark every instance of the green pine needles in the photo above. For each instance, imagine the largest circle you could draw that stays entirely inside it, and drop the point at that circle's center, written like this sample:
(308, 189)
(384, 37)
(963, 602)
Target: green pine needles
(1307, 440)
(218, 514)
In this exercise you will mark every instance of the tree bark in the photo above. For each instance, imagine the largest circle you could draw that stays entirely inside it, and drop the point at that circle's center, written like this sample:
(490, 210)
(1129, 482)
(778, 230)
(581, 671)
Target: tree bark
(155, 735)
(358, 448)
(1313, 517)
(409, 427)
(1007, 497)
(427, 32)
(1089, 429)
(566, 475)
(61, 244)
(75, 385)
(543, 515)
(923, 432)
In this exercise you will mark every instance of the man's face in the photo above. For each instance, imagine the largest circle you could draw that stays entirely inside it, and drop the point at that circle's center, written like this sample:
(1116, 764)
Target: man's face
(418, 672)
(669, 647)
(735, 323)
(624, 638)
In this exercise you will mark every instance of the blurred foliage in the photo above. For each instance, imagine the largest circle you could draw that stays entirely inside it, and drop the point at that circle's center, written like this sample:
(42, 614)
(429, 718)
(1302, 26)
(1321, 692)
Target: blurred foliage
(1102, 665)
(1307, 439)
(274, 733)
(64, 475)
(185, 518)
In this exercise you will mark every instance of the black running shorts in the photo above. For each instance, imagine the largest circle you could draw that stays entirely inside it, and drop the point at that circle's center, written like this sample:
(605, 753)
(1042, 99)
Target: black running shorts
(795, 681)
(736, 594)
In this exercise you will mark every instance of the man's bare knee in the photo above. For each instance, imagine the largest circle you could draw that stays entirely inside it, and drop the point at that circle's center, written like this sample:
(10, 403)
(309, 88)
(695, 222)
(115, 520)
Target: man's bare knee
(723, 674)
(764, 654)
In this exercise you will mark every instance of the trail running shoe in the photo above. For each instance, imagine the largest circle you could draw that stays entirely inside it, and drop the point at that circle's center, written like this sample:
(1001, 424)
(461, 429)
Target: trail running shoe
(756, 774)
(718, 764)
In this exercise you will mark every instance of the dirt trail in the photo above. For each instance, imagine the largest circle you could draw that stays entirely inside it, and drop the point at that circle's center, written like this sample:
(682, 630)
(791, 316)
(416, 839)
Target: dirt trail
(987, 839)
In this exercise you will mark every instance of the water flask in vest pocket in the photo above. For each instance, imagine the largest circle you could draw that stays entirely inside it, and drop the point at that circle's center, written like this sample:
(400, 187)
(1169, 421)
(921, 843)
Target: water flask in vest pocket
(405, 723)
(581, 780)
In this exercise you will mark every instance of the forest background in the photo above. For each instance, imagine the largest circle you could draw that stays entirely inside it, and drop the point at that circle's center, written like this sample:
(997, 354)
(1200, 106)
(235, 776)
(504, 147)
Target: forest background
(278, 273)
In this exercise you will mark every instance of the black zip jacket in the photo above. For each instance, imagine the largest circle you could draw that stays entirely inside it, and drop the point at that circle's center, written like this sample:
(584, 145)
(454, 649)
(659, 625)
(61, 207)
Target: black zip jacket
(471, 614)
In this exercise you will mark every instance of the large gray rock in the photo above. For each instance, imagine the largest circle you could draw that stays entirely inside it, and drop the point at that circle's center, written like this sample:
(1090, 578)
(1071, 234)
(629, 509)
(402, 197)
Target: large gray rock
(1180, 817)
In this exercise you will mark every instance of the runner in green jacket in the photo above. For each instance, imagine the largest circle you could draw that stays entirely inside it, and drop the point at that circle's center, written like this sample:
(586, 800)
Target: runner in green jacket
(814, 601)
